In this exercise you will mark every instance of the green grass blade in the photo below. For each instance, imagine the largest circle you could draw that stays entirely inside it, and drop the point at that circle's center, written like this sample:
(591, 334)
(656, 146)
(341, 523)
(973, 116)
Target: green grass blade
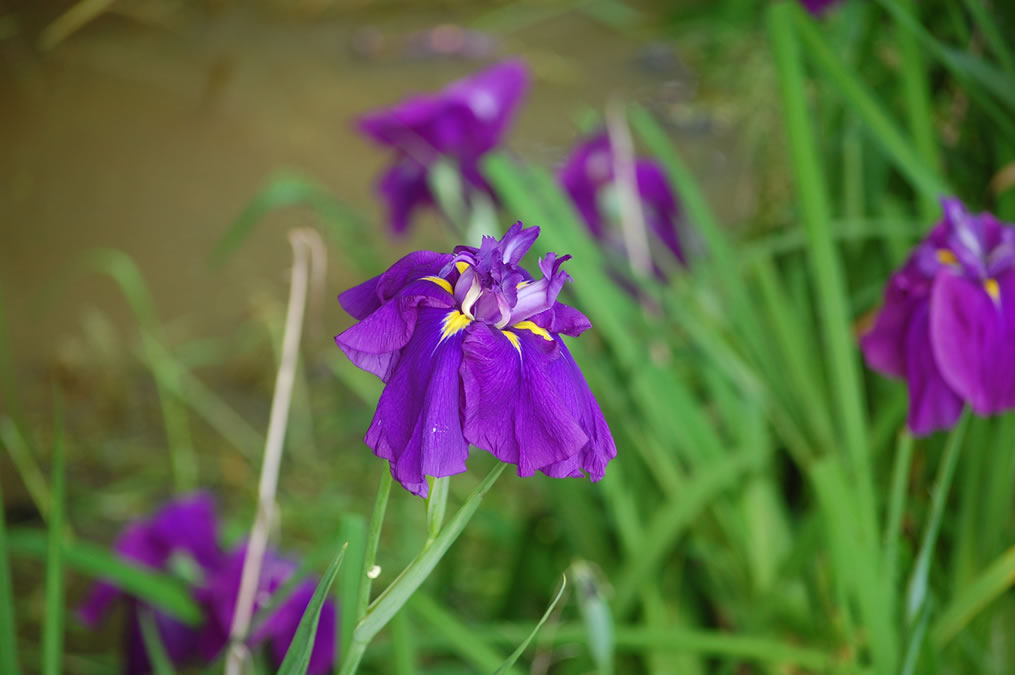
(404, 644)
(916, 591)
(401, 589)
(516, 654)
(8, 638)
(866, 105)
(353, 576)
(373, 541)
(157, 654)
(600, 635)
(671, 520)
(346, 225)
(124, 272)
(919, 111)
(896, 511)
(155, 588)
(990, 585)
(826, 266)
(53, 623)
(297, 657)
(24, 462)
(461, 638)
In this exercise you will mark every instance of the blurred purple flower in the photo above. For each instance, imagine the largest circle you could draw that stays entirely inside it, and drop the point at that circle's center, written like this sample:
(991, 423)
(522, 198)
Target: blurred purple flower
(948, 321)
(279, 627)
(182, 535)
(817, 7)
(461, 123)
(469, 347)
(588, 175)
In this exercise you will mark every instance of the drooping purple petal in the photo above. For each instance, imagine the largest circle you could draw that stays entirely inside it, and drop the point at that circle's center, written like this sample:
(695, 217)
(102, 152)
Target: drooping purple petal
(404, 188)
(573, 391)
(512, 408)
(659, 205)
(417, 426)
(362, 300)
(933, 405)
(973, 335)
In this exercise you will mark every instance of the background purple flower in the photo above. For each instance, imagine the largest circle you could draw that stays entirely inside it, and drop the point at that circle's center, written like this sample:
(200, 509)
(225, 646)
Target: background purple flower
(278, 628)
(948, 321)
(817, 7)
(588, 174)
(182, 534)
(462, 122)
(468, 345)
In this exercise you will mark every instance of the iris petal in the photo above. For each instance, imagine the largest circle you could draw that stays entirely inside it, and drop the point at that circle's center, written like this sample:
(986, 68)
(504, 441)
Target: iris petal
(933, 405)
(417, 426)
(512, 408)
(973, 337)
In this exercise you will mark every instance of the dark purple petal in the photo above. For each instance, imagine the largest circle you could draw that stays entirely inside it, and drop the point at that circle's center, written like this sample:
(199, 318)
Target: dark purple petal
(659, 205)
(933, 405)
(467, 118)
(884, 346)
(417, 425)
(404, 187)
(179, 640)
(573, 391)
(512, 408)
(588, 168)
(973, 334)
(373, 344)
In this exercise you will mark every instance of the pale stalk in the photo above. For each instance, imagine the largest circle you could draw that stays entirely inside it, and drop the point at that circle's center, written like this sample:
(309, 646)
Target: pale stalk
(304, 244)
(625, 178)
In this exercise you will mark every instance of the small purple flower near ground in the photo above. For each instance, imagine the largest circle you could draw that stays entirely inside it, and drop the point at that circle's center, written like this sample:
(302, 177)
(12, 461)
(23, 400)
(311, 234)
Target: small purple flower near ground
(182, 534)
(182, 537)
(468, 344)
(948, 321)
(588, 175)
(460, 123)
(279, 627)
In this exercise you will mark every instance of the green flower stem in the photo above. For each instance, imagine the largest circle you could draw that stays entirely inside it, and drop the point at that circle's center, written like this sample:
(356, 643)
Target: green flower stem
(373, 538)
(412, 577)
(916, 594)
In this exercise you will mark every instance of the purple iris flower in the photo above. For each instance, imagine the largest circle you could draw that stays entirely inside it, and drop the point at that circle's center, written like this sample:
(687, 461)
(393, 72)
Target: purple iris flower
(468, 344)
(948, 321)
(817, 7)
(460, 123)
(181, 536)
(279, 627)
(588, 176)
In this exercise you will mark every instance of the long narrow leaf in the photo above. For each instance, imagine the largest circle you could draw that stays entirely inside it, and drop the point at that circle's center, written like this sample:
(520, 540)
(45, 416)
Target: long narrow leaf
(8, 638)
(53, 622)
(516, 654)
(149, 586)
(297, 657)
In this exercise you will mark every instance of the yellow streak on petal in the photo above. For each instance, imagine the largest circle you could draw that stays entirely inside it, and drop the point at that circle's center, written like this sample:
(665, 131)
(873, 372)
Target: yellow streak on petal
(993, 289)
(462, 266)
(454, 322)
(538, 330)
(443, 283)
(523, 284)
(513, 339)
(946, 257)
